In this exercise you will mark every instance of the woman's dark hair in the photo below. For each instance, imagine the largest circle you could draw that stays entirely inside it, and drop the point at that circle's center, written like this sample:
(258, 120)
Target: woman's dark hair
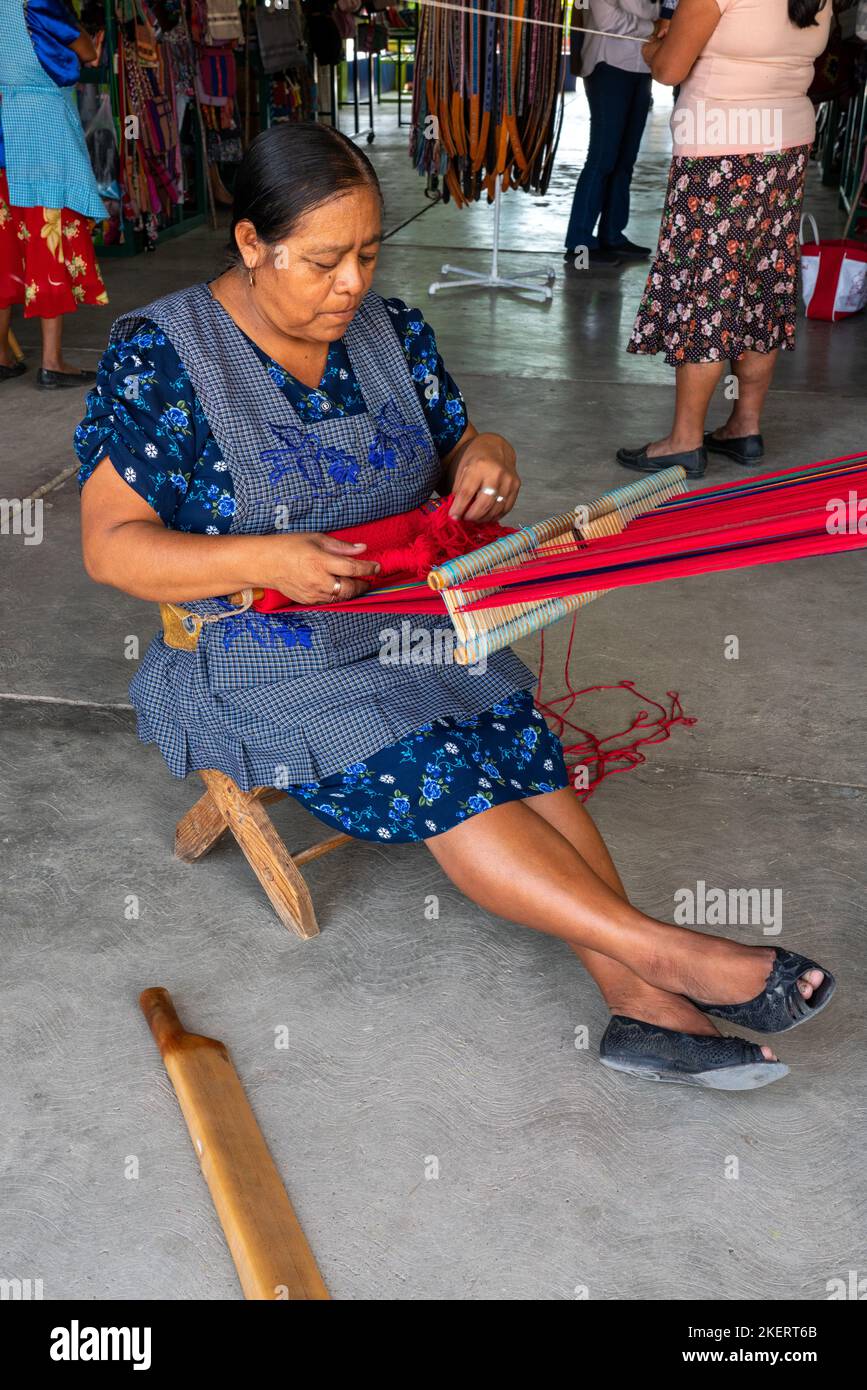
(803, 12)
(291, 168)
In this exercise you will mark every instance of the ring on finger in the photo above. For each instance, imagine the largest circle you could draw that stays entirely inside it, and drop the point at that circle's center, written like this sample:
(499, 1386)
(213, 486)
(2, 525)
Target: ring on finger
(489, 491)
(335, 592)
(499, 498)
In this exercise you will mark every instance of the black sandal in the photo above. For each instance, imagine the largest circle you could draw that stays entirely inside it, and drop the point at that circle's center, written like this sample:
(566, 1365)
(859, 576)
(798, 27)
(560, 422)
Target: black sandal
(688, 1059)
(780, 1005)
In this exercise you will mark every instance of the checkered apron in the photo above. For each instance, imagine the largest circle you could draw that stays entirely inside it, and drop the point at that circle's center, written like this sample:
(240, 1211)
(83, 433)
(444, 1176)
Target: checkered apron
(291, 698)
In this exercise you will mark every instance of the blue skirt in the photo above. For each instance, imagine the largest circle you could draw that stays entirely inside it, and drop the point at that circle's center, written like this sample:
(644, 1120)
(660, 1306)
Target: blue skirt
(441, 774)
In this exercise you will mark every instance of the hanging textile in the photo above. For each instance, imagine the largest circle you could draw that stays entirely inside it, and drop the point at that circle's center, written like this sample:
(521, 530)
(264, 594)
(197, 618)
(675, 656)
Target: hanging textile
(488, 95)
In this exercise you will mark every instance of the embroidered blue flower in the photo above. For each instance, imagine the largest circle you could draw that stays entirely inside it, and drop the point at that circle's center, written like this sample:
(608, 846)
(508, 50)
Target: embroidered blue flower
(395, 441)
(343, 468)
(299, 450)
(267, 630)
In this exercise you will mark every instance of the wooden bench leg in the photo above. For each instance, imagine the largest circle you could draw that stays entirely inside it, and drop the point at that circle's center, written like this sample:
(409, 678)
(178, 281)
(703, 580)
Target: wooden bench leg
(266, 854)
(204, 825)
(200, 829)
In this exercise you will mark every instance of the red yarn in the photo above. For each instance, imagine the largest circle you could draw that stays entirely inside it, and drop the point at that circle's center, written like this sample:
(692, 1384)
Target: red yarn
(407, 546)
(591, 751)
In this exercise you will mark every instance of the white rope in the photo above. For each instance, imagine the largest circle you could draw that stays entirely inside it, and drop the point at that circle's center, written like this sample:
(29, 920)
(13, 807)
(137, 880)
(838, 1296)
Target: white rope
(518, 19)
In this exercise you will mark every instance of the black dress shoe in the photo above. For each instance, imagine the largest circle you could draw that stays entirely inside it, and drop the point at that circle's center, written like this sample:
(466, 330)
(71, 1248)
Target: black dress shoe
(694, 461)
(628, 248)
(17, 369)
(746, 448)
(54, 381)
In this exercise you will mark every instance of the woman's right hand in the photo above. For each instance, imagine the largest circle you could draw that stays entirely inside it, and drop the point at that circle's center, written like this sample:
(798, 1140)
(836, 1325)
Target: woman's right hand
(306, 567)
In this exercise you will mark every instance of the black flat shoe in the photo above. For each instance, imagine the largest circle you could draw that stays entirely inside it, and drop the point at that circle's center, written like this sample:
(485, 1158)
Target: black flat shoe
(629, 249)
(54, 381)
(746, 449)
(694, 461)
(686, 1059)
(780, 1005)
(18, 369)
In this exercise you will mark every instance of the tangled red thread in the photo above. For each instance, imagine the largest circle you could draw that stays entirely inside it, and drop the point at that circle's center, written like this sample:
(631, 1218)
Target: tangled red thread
(606, 755)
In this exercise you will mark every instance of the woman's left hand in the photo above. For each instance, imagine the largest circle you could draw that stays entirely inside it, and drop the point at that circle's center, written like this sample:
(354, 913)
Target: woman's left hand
(486, 482)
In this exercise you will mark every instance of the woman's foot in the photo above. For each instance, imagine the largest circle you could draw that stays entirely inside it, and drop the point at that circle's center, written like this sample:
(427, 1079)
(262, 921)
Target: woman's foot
(54, 379)
(64, 368)
(712, 969)
(665, 1010)
(653, 1053)
(736, 442)
(660, 448)
(653, 458)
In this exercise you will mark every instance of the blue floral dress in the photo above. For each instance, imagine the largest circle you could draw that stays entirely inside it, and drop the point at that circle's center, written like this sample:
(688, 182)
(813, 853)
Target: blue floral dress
(145, 415)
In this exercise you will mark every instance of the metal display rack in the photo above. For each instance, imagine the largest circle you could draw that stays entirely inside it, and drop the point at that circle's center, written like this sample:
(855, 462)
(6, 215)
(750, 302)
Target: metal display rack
(181, 220)
(400, 61)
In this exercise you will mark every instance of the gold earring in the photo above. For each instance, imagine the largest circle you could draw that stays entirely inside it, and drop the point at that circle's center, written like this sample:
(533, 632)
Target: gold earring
(252, 276)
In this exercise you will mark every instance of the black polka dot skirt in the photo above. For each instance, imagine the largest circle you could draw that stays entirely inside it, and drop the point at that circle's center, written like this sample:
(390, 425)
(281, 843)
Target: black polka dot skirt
(724, 280)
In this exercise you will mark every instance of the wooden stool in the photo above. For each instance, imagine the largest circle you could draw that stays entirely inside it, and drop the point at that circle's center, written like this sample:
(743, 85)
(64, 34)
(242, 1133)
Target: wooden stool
(225, 807)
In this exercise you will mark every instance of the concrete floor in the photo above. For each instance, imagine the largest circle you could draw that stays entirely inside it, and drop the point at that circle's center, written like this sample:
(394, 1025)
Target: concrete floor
(453, 1038)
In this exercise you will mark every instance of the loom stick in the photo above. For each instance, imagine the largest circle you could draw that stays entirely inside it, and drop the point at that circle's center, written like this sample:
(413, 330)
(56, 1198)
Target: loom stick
(265, 1239)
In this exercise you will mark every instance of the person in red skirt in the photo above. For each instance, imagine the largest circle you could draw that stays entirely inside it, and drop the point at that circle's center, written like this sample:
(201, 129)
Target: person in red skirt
(49, 198)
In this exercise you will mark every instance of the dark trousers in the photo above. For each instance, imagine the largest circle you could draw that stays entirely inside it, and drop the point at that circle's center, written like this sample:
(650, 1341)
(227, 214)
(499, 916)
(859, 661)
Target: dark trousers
(619, 102)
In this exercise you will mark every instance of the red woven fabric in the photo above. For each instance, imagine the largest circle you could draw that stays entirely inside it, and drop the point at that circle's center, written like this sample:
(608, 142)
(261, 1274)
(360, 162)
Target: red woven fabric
(408, 546)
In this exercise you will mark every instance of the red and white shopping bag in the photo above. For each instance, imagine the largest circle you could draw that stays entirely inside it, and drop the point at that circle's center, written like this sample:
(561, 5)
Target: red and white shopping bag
(833, 275)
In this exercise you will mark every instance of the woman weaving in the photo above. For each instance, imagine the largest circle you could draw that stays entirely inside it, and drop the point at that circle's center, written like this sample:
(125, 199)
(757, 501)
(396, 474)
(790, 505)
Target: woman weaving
(232, 426)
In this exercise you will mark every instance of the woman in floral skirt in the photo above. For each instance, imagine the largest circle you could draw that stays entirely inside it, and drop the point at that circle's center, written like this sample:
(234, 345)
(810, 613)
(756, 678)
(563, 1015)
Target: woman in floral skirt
(723, 285)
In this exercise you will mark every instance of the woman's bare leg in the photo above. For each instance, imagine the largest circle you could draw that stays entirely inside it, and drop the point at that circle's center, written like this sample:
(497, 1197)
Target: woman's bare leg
(6, 357)
(512, 861)
(695, 383)
(52, 346)
(754, 371)
(623, 991)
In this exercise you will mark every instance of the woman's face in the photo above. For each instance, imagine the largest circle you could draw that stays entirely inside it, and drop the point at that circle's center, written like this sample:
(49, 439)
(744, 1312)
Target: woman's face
(311, 284)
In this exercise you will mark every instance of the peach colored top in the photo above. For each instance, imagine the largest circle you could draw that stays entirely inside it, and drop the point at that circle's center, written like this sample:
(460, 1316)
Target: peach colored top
(746, 91)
